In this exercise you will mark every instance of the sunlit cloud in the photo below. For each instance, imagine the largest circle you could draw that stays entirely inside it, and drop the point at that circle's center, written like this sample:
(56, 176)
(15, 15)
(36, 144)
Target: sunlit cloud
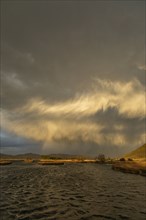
(71, 120)
(128, 98)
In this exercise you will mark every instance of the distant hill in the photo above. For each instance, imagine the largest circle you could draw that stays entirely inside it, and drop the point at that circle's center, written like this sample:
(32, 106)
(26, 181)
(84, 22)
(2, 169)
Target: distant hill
(20, 156)
(37, 156)
(5, 156)
(65, 156)
(28, 155)
(139, 153)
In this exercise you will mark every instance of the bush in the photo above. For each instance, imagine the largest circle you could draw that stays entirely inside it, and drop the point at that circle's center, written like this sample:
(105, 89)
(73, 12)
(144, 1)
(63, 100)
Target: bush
(122, 159)
(130, 159)
(101, 157)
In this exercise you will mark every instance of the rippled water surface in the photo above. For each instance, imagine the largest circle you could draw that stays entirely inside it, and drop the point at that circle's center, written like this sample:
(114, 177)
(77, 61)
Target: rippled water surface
(71, 191)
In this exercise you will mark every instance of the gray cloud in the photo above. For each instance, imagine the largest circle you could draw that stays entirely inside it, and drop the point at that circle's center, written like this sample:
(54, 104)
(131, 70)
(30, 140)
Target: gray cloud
(110, 115)
(54, 52)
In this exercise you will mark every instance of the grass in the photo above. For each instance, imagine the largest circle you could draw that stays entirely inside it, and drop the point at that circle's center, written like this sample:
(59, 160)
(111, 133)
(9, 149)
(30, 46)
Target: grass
(136, 167)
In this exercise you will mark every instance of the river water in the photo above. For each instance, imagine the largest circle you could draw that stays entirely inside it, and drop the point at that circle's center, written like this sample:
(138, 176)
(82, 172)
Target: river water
(70, 192)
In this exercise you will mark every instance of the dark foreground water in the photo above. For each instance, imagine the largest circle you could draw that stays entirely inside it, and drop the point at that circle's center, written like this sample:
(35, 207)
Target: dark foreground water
(70, 192)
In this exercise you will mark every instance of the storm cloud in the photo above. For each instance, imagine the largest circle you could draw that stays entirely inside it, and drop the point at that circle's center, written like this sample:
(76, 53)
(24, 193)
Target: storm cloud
(73, 75)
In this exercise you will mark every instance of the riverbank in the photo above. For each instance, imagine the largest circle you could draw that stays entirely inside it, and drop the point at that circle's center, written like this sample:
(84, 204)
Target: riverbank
(5, 162)
(134, 167)
(61, 162)
(47, 161)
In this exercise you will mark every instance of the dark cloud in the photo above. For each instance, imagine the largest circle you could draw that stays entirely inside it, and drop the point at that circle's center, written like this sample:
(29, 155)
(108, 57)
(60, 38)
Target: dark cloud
(54, 51)
(114, 123)
(13, 144)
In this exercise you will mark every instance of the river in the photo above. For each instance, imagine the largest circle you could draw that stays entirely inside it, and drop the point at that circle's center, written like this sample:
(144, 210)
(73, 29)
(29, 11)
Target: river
(70, 192)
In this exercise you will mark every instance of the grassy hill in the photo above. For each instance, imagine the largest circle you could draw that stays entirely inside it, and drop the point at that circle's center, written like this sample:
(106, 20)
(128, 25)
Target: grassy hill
(139, 153)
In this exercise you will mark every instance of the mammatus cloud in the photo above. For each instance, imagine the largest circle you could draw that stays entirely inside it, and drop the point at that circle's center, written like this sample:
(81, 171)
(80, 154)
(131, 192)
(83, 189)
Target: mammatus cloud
(84, 118)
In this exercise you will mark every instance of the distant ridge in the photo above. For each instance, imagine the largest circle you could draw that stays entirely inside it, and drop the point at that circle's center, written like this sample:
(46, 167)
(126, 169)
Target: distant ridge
(38, 156)
(139, 153)
(19, 156)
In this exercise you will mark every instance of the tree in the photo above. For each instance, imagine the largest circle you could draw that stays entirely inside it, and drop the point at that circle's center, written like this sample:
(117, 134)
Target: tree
(101, 157)
(122, 159)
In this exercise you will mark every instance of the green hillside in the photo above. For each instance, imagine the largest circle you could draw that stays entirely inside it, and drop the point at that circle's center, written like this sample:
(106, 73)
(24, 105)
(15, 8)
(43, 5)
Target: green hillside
(139, 153)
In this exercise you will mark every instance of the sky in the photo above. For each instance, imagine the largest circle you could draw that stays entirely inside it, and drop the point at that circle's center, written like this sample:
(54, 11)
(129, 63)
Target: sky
(72, 77)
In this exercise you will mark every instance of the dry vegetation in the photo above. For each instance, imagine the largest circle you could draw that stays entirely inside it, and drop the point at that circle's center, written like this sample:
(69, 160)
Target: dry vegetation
(5, 162)
(136, 167)
(58, 161)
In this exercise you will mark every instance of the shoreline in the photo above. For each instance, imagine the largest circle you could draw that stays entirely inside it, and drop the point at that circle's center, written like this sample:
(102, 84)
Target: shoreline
(5, 162)
(133, 167)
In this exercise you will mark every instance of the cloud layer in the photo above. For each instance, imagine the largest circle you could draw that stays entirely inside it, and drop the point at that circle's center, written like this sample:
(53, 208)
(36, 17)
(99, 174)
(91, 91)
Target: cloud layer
(85, 118)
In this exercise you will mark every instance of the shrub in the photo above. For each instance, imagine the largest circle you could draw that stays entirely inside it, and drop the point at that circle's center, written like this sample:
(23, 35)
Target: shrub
(130, 159)
(101, 157)
(122, 159)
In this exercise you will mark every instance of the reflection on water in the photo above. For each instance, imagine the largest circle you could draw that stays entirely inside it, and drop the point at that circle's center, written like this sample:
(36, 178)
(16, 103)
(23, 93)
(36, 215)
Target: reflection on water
(72, 191)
